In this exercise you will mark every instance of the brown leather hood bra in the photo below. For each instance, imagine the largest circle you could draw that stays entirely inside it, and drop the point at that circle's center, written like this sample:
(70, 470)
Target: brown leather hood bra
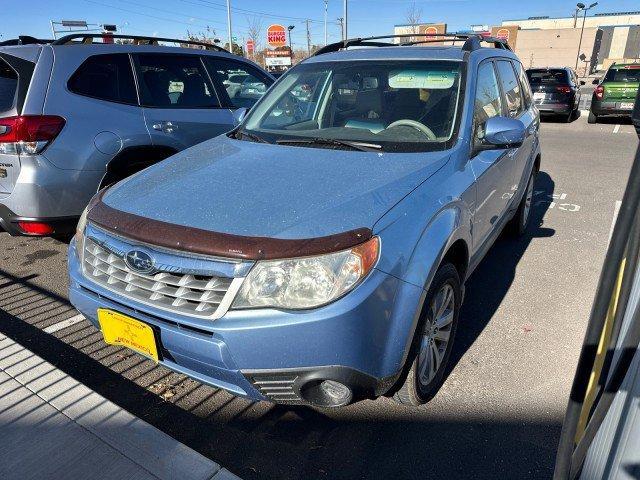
(205, 242)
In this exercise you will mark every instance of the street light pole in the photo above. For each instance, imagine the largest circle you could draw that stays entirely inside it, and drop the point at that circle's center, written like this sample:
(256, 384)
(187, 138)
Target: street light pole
(581, 6)
(229, 26)
(326, 7)
(289, 28)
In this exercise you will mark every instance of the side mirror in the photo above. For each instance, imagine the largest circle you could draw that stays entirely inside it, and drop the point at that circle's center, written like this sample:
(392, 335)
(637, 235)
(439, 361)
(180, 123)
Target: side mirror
(499, 133)
(239, 114)
(582, 82)
(595, 81)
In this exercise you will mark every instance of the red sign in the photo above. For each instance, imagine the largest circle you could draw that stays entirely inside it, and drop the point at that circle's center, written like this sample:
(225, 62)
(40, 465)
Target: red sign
(431, 31)
(276, 36)
(251, 46)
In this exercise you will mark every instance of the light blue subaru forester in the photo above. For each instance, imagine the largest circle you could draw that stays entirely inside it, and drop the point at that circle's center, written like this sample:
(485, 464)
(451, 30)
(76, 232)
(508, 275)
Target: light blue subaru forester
(317, 254)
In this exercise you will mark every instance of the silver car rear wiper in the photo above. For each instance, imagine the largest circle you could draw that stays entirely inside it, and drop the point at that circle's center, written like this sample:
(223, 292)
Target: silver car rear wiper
(361, 146)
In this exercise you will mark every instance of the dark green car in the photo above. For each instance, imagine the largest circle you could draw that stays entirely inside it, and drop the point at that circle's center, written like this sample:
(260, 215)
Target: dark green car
(616, 93)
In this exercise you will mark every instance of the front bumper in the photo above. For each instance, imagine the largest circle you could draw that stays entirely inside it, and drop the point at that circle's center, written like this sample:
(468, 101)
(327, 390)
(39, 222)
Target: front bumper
(360, 339)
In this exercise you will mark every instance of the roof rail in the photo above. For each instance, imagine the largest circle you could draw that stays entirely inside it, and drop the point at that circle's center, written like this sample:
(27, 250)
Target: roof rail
(471, 41)
(87, 39)
(25, 40)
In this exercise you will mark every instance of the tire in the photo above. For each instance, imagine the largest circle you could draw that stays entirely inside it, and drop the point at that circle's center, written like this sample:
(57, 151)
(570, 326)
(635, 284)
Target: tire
(520, 221)
(429, 340)
(568, 117)
(593, 118)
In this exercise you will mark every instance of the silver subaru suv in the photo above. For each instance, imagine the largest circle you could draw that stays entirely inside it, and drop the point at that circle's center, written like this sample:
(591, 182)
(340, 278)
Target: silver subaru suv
(80, 113)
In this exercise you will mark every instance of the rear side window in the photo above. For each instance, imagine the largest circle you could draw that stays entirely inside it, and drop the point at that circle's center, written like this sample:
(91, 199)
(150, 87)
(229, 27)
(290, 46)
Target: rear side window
(8, 86)
(548, 77)
(243, 84)
(510, 87)
(488, 102)
(107, 77)
(174, 81)
(524, 84)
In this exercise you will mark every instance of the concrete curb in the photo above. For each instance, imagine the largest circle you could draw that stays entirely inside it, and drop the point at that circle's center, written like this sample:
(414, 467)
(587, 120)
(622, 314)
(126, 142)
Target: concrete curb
(155, 452)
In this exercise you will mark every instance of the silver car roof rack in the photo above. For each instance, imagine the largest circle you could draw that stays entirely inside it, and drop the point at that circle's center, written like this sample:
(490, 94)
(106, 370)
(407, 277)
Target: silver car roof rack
(87, 39)
(471, 41)
(24, 40)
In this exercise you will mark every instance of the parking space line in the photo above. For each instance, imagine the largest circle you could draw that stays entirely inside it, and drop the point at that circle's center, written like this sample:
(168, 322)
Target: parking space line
(616, 129)
(64, 324)
(616, 210)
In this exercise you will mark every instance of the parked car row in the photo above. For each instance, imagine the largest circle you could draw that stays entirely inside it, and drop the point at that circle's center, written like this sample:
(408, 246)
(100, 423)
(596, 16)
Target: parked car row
(556, 91)
(101, 112)
(317, 253)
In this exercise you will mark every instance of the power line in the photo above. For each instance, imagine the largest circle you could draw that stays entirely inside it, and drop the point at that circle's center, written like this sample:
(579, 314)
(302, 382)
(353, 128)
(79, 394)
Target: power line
(216, 6)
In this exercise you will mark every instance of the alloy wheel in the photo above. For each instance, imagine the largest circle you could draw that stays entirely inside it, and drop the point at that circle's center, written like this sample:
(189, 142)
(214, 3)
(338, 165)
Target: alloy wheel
(435, 337)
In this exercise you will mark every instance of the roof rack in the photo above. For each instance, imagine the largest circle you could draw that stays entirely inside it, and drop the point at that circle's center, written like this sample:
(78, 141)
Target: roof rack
(471, 41)
(87, 39)
(24, 40)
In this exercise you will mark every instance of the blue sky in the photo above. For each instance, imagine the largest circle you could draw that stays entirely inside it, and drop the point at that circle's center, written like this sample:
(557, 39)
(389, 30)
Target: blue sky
(172, 18)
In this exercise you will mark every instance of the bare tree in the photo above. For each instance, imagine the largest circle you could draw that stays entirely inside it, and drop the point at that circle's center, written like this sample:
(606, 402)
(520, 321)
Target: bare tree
(414, 17)
(254, 32)
(208, 36)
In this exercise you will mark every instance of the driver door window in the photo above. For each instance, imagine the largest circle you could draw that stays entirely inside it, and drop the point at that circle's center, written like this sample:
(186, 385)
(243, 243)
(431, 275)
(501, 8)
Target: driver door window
(488, 102)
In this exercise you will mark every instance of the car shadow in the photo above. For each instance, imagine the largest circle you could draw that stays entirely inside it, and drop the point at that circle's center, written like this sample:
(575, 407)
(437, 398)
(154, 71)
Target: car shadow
(490, 282)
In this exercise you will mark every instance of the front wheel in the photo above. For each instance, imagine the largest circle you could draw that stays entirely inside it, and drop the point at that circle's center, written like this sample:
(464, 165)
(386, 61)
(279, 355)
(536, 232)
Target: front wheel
(520, 221)
(433, 340)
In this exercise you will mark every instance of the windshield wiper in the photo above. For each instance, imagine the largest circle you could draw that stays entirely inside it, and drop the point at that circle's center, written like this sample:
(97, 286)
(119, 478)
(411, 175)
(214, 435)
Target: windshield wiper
(360, 146)
(250, 136)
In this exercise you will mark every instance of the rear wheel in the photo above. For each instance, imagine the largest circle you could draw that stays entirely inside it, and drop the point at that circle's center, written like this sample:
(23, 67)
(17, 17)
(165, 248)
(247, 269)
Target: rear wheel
(568, 117)
(433, 340)
(593, 118)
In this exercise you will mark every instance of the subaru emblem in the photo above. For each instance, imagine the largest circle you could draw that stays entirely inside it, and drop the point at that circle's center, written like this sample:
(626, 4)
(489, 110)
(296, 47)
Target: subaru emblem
(139, 261)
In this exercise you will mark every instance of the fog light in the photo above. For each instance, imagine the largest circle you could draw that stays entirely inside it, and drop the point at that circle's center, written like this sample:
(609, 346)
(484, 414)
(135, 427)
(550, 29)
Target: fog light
(326, 393)
(336, 391)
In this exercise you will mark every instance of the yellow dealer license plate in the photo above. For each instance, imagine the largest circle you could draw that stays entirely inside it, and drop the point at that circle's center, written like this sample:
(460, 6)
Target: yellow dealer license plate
(119, 329)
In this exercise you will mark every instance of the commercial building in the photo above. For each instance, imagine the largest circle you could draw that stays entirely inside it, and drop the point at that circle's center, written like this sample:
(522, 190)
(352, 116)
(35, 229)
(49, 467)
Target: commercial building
(608, 38)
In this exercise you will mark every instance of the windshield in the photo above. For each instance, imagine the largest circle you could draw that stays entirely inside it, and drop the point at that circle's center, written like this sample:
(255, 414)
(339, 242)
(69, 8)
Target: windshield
(547, 77)
(626, 74)
(394, 106)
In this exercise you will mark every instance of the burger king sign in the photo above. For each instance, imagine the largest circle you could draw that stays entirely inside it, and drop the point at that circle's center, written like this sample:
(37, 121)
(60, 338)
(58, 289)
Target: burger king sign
(276, 36)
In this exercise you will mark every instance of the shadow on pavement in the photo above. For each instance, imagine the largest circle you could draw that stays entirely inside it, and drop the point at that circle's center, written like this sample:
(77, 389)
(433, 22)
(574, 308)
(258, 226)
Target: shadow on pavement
(497, 270)
(369, 440)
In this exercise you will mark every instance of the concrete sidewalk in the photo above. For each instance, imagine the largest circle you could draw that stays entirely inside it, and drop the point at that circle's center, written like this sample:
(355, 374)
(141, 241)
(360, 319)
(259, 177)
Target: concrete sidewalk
(52, 427)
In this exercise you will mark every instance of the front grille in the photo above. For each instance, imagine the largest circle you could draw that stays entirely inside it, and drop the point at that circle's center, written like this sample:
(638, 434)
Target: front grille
(187, 294)
(278, 387)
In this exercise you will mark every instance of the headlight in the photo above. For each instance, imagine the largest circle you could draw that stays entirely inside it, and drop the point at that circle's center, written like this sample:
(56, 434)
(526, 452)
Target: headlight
(82, 224)
(307, 282)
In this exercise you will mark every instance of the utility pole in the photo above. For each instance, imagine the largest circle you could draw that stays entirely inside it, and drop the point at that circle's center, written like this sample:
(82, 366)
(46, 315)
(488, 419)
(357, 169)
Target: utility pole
(229, 26)
(326, 8)
(346, 19)
(341, 22)
(308, 38)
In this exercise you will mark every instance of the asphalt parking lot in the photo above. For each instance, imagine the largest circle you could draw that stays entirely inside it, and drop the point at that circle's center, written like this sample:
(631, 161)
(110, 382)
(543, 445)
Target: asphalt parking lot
(500, 410)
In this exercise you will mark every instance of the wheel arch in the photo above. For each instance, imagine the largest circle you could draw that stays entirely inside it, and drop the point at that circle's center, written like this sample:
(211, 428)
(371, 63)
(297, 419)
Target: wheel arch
(133, 159)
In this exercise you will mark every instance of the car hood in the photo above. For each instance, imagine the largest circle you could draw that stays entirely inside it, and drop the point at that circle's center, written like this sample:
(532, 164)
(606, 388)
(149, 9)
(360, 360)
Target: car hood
(264, 190)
